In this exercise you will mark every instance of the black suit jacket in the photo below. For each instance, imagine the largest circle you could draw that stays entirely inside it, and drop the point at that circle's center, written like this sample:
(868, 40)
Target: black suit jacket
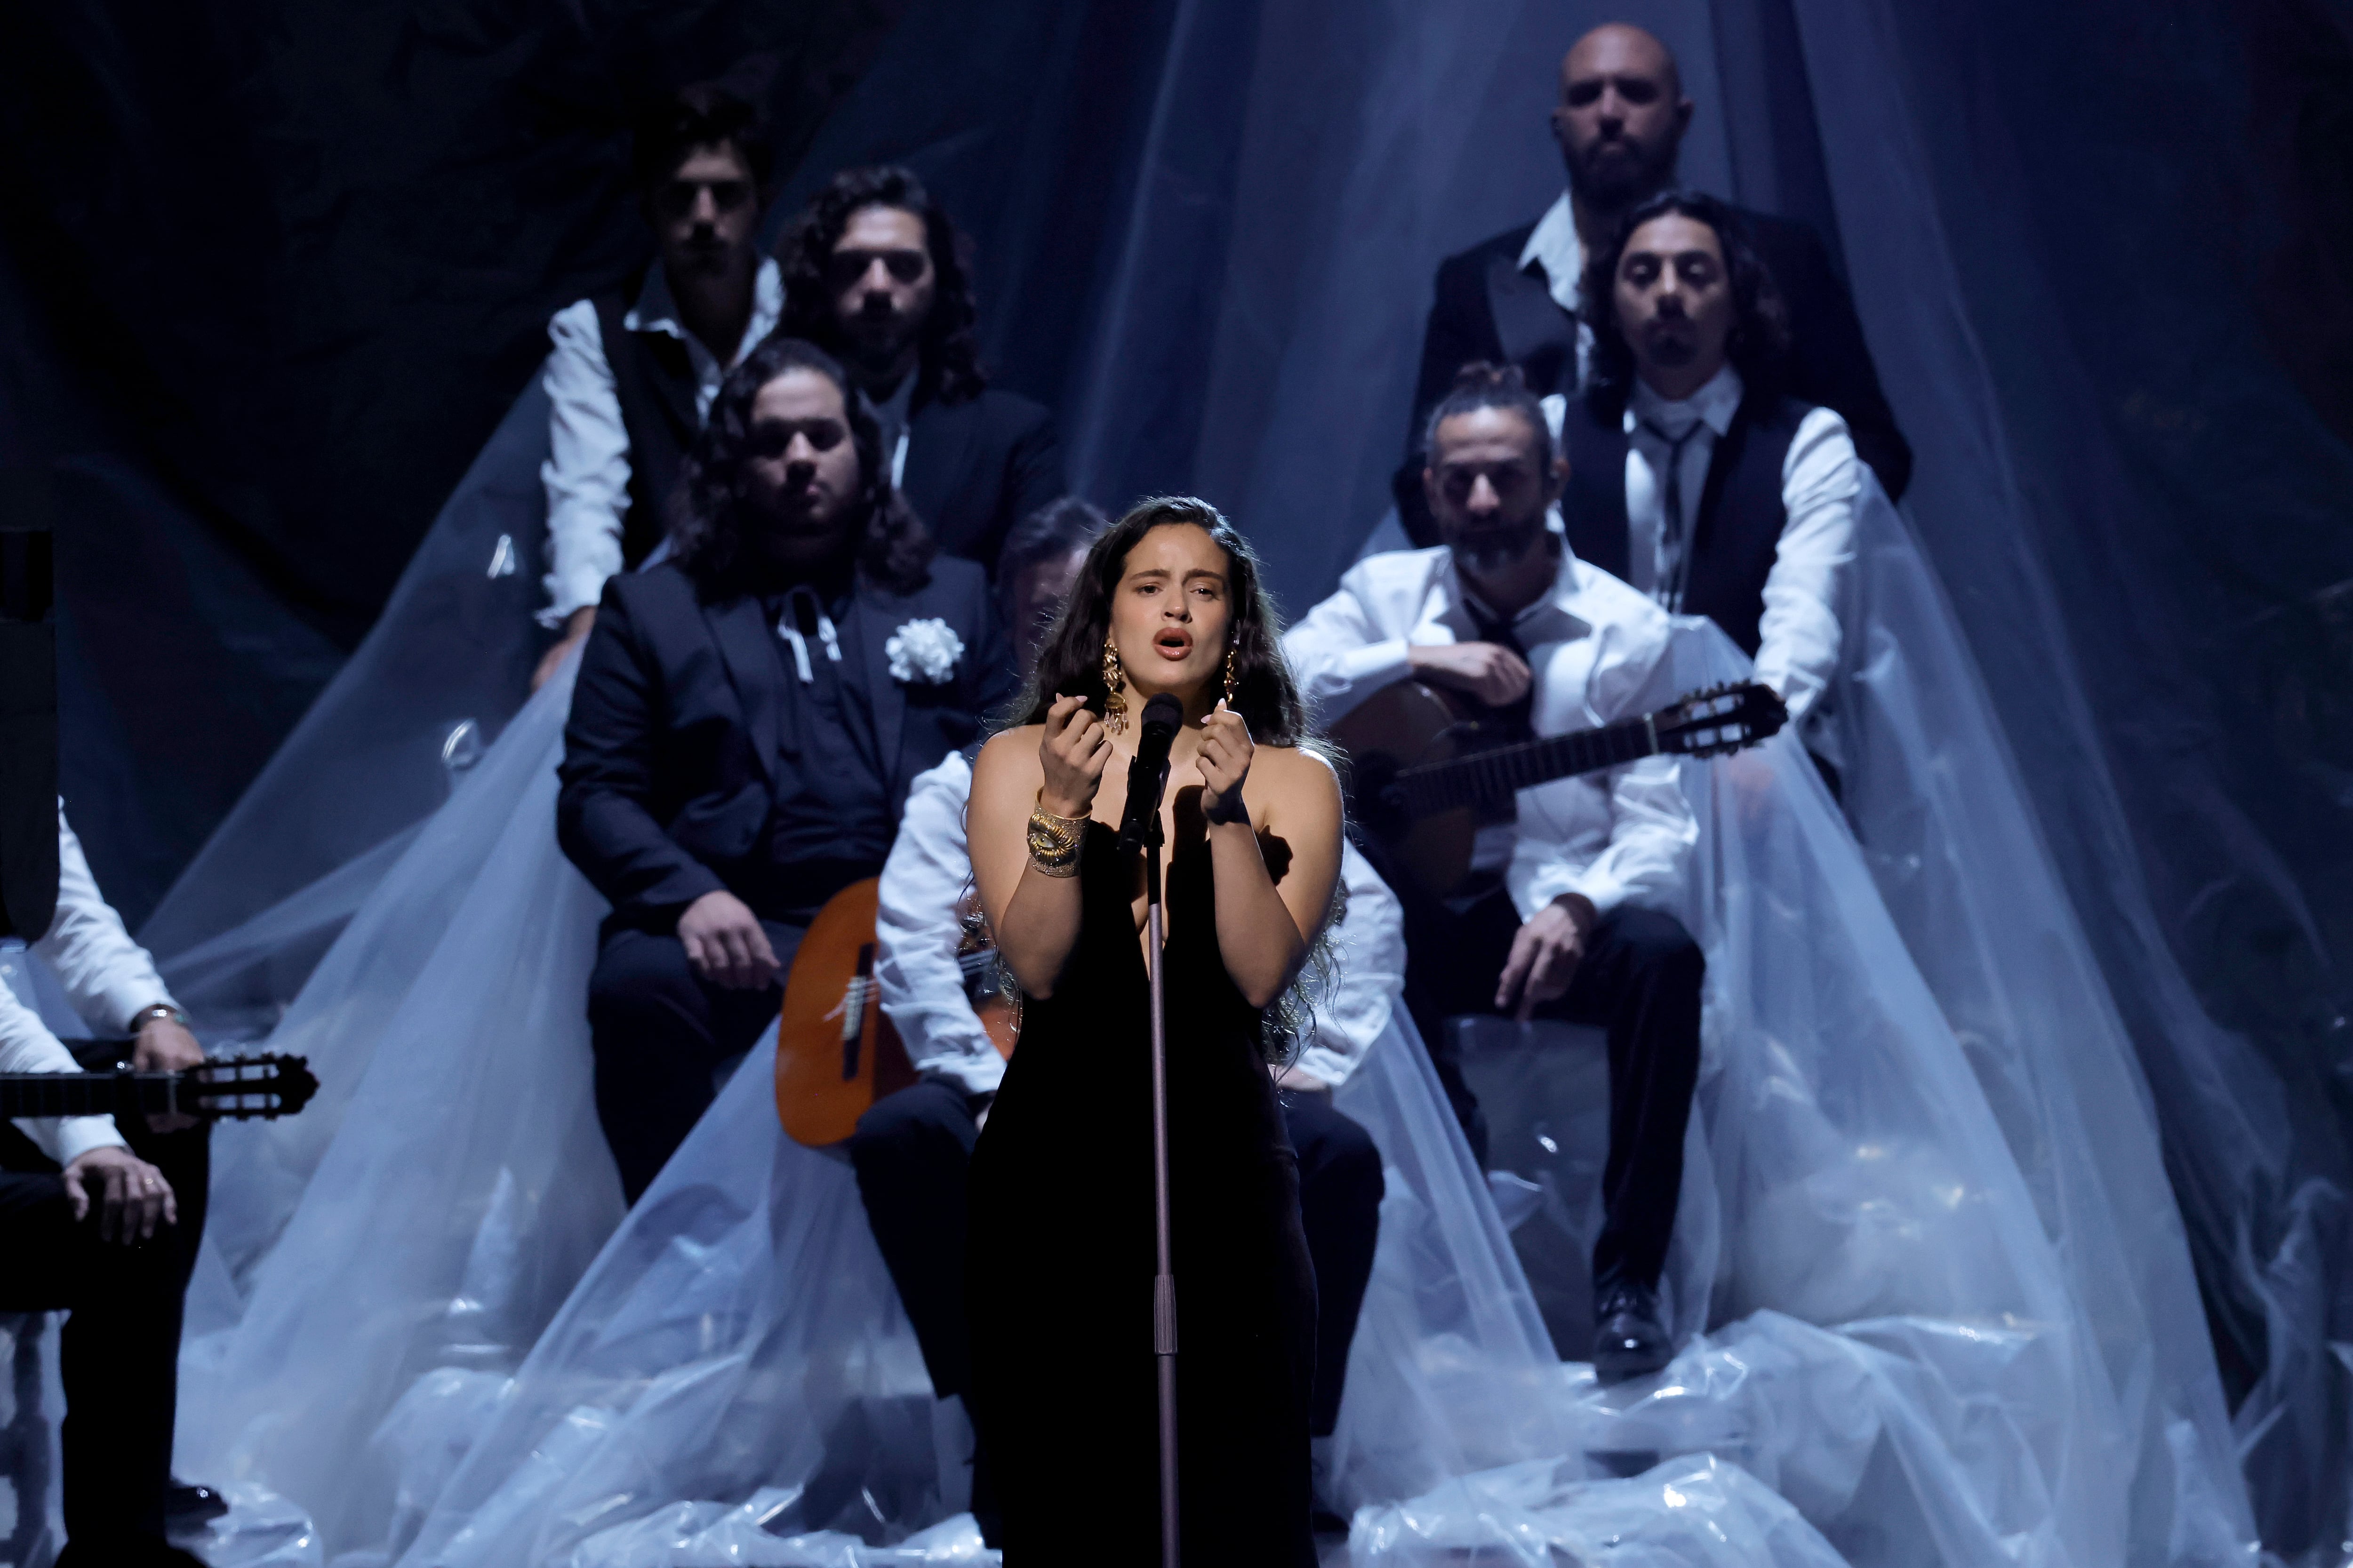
(976, 467)
(1487, 308)
(667, 755)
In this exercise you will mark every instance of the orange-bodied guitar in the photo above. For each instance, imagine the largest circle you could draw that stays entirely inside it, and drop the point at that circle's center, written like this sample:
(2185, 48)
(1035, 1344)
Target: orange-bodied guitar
(836, 1052)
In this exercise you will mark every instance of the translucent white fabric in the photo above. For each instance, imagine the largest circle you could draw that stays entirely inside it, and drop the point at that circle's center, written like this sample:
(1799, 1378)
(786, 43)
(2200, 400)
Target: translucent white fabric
(1953, 846)
(447, 1188)
(1895, 1346)
(1692, 1513)
(443, 671)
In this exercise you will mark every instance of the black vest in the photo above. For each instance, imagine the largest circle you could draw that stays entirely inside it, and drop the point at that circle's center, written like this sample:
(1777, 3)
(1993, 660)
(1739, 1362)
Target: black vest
(1740, 511)
(654, 381)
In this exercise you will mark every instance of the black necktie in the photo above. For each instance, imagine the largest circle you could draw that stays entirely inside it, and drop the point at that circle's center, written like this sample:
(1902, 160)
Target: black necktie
(1669, 589)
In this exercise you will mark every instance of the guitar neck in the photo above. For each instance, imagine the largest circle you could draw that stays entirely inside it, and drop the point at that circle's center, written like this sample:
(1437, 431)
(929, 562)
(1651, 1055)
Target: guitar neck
(47, 1094)
(1496, 775)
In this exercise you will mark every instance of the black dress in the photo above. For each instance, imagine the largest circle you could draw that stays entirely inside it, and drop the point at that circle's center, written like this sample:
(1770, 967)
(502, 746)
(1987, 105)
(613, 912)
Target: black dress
(1061, 1257)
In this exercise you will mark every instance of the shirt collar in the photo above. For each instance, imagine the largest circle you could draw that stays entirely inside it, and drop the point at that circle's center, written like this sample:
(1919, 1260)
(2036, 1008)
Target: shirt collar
(1715, 404)
(1556, 616)
(1553, 245)
(657, 308)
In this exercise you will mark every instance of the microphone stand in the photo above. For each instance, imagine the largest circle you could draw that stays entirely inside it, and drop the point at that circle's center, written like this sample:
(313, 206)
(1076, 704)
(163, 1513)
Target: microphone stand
(1163, 1282)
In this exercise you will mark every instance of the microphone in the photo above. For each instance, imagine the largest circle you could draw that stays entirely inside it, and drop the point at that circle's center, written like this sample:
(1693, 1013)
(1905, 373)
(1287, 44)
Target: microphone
(1148, 774)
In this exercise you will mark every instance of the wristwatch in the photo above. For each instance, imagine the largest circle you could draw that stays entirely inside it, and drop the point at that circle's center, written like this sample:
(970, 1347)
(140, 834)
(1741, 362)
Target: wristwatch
(152, 1011)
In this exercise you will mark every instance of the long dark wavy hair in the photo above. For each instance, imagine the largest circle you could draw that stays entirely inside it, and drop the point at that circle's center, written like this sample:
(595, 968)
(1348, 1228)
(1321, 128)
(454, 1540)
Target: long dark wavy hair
(949, 352)
(1759, 345)
(711, 510)
(1264, 695)
(1072, 662)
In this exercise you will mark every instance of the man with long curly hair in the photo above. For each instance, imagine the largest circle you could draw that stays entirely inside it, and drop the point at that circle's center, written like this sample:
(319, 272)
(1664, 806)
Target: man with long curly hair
(875, 274)
(749, 715)
(1694, 475)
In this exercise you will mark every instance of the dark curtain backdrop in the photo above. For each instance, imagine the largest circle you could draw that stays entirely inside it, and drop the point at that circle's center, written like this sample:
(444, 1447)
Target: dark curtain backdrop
(270, 273)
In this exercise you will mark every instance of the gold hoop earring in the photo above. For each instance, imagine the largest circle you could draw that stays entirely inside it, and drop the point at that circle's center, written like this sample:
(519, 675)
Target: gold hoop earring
(1229, 678)
(1114, 680)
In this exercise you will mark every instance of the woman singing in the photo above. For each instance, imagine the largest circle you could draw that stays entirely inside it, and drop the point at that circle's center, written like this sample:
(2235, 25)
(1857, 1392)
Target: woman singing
(1062, 1250)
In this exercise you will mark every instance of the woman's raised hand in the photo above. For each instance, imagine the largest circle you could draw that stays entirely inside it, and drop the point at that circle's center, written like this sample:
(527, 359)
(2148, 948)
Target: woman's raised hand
(1225, 751)
(1072, 753)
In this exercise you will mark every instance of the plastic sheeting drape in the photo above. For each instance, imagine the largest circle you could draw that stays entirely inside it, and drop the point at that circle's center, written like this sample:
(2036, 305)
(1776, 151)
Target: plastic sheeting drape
(2098, 555)
(1895, 1345)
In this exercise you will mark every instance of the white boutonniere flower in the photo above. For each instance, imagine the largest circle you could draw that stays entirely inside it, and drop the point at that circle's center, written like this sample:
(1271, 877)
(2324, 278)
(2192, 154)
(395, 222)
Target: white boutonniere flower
(923, 650)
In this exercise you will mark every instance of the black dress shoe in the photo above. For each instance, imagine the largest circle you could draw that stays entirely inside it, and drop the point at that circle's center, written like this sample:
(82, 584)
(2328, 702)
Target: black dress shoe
(188, 1506)
(1629, 1340)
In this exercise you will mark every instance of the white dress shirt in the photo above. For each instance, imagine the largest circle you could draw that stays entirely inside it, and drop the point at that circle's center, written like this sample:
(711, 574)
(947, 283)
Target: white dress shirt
(1798, 645)
(1553, 245)
(108, 977)
(917, 932)
(588, 472)
(1597, 648)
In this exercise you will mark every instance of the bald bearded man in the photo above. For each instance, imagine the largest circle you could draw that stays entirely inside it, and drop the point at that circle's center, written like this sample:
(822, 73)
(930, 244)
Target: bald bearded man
(1514, 299)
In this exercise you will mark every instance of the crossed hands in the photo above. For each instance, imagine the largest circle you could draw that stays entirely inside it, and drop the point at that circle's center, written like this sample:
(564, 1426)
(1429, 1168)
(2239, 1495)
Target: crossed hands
(133, 1198)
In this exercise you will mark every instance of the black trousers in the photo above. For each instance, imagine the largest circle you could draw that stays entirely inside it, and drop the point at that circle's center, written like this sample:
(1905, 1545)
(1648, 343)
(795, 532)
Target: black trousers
(119, 1352)
(659, 1030)
(911, 1152)
(1640, 981)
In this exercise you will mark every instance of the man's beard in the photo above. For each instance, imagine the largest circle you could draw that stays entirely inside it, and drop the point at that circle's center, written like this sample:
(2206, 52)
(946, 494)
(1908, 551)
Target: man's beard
(1487, 551)
(1622, 182)
(875, 342)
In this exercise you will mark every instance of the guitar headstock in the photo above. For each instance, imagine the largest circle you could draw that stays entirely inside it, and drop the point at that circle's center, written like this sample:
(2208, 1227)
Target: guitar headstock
(1719, 720)
(243, 1088)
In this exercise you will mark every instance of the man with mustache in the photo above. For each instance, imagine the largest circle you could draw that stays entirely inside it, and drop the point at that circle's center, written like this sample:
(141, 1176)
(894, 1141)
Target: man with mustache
(749, 716)
(1515, 298)
(1563, 913)
(876, 275)
(634, 369)
(1693, 474)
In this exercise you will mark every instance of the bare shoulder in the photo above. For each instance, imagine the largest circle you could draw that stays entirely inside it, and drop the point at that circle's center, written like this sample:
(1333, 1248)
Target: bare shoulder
(1296, 775)
(1010, 753)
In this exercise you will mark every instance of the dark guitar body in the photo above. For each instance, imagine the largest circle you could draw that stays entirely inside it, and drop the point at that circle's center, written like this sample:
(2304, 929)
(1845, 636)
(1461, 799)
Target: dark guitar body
(1425, 772)
(1398, 727)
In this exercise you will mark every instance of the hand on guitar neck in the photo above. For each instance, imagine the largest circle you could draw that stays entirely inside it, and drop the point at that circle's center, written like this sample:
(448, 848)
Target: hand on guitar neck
(1490, 672)
(1424, 772)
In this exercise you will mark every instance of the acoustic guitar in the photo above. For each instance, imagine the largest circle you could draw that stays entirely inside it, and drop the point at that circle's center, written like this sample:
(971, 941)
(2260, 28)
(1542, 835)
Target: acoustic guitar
(238, 1088)
(836, 1053)
(1425, 772)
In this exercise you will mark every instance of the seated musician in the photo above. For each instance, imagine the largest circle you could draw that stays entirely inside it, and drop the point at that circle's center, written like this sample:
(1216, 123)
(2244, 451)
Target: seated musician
(911, 1149)
(1555, 921)
(101, 1222)
(748, 717)
(633, 370)
(1693, 475)
(875, 274)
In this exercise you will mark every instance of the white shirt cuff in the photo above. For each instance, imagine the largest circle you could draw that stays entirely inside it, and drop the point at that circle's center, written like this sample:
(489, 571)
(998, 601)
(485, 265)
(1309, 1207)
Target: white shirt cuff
(1321, 1061)
(68, 1137)
(1601, 887)
(581, 588)
(973, 1075)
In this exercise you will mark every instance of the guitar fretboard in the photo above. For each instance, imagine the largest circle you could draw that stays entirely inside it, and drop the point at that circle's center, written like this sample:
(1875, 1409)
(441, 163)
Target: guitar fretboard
(45, 1094)
(1487, 776)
